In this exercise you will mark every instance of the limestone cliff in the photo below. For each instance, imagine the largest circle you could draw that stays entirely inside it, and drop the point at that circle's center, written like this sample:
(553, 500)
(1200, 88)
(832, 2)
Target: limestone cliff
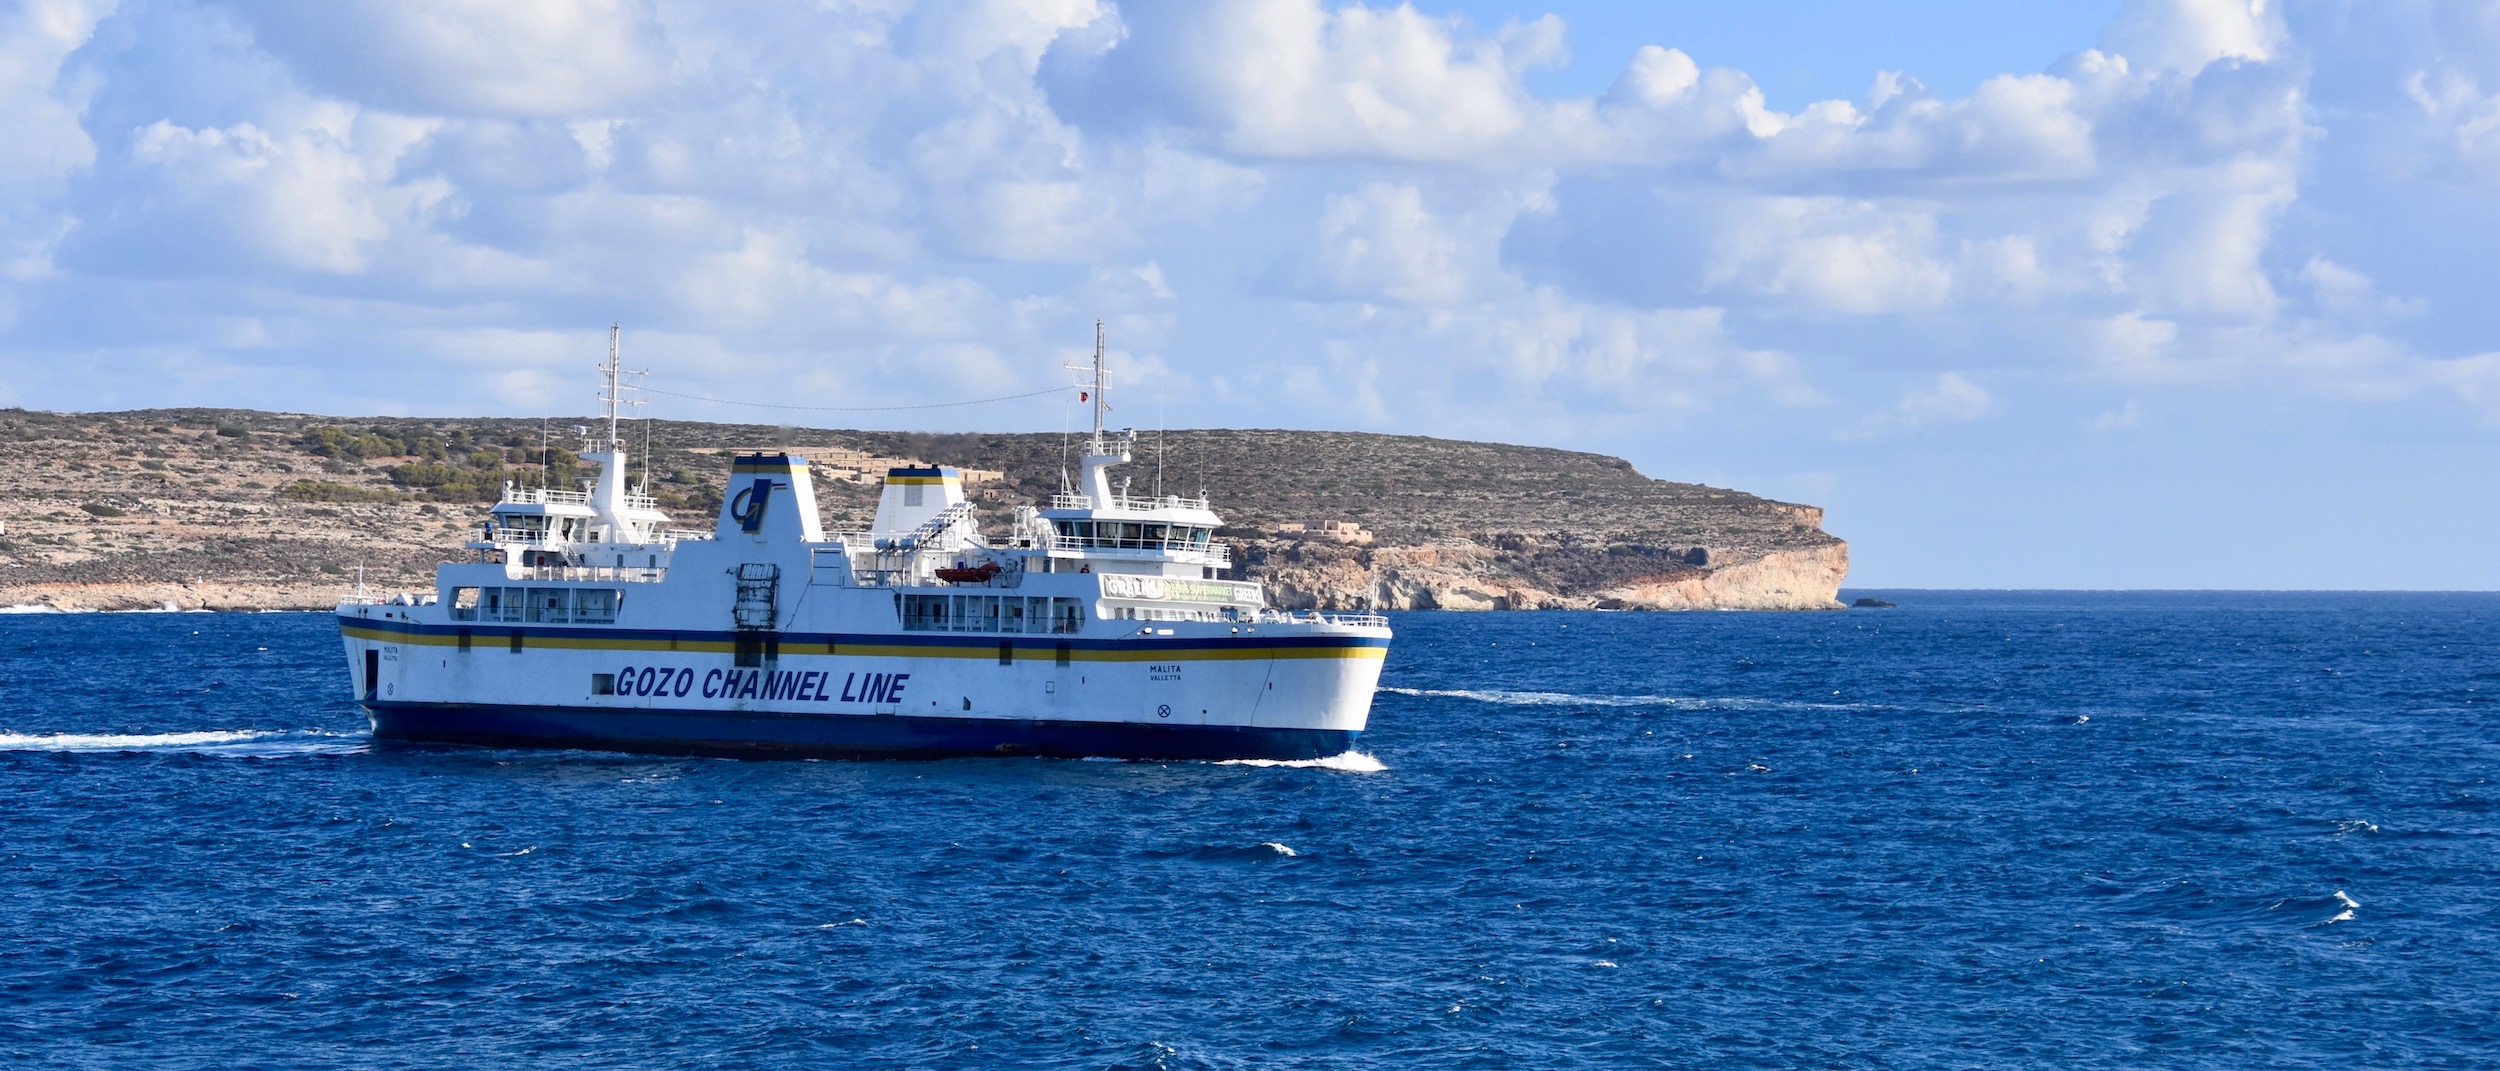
(1462, 575)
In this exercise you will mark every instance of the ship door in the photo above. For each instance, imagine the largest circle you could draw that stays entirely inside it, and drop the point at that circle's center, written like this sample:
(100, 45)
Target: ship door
(756, 613)
(759, 588)
(373, 672)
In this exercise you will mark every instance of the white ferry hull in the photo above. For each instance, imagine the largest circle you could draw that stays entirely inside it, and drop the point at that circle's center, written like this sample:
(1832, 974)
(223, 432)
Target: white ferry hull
(1275, 692)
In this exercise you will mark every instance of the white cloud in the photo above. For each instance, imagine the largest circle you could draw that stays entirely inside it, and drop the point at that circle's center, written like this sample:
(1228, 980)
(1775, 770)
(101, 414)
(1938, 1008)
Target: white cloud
(1952, 399)
(2348, 293)
(39, 122)
(2185, 35)
(1845, 256)
(768, 282)
(2202, 253)
(1380, 243)
(1291, 78)
(318, 197)
(489, 57)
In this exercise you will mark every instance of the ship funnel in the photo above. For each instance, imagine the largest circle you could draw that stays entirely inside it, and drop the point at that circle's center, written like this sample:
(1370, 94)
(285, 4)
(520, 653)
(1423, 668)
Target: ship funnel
(770, 497)
(913, 496)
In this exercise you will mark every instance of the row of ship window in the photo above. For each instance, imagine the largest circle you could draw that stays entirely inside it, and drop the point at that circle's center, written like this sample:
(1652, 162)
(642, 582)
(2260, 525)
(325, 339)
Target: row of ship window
(992, 613)
(1133, 534)
(553, 606)
(1015, 614)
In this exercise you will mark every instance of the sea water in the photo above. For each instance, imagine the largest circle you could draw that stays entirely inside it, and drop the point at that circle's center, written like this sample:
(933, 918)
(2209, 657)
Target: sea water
(1980, 830)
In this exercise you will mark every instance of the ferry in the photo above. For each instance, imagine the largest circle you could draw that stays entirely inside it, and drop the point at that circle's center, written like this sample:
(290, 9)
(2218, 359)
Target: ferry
(1101, 624)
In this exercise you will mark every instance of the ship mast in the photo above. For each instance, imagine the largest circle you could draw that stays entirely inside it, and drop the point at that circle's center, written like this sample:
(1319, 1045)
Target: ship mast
(608, 494)
(1101, 404)
(611, 376)
(1102, 452)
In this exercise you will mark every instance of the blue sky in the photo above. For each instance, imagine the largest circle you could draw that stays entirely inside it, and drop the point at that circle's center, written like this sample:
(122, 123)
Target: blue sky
(2111, 293)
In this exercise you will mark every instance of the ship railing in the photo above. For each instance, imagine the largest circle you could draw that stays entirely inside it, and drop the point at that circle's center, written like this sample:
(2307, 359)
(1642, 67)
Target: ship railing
(544, 496)
(1139, 503)
(679, 535)
(396, 598)
(881, 578)
(635, 501)
(1315, 617)
(631, 574)
(928, 535)
(1216, 554)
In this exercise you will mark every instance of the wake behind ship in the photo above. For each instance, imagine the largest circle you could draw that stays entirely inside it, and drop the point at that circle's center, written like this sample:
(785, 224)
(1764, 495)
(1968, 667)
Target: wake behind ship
(1103, 624)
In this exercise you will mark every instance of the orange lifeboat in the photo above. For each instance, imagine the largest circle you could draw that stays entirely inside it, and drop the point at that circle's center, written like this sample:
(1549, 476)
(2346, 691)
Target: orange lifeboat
(963, 574)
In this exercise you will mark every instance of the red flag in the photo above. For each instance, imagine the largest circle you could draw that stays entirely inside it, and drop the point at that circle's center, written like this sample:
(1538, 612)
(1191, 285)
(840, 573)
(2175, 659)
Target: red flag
(1082, 395)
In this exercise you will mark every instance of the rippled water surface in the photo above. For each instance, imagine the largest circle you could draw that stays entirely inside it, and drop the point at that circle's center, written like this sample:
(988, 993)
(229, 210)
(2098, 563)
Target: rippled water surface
(1981, 830)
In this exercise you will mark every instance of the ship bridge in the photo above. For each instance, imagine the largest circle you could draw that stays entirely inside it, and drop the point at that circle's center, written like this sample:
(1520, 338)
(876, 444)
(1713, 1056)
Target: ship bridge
(1124, 530)
(609, 527)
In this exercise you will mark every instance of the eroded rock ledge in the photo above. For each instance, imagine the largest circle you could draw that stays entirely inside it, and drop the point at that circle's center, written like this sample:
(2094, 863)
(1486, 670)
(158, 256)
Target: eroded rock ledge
(1463, 575)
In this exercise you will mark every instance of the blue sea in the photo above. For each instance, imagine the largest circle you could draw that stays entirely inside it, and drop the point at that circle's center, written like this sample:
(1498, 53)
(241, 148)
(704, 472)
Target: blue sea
(1982, 830)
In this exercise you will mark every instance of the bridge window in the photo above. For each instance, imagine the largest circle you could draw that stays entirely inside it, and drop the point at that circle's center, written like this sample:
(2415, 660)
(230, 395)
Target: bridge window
(596, 606)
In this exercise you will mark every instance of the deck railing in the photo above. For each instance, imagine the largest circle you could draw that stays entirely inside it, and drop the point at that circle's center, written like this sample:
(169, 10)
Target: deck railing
(1219, 555)
(1138, 503)
(632, 574)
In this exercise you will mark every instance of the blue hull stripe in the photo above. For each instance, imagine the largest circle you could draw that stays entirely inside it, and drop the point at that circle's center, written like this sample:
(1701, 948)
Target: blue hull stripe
(487, 633)
(745, 734)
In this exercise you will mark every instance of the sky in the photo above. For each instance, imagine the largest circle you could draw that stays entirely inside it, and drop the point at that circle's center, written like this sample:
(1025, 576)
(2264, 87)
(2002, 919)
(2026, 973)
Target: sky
(2087, 294)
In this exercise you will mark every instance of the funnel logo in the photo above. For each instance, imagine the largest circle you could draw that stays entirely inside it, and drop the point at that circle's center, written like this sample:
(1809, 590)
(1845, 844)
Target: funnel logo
(748, 508)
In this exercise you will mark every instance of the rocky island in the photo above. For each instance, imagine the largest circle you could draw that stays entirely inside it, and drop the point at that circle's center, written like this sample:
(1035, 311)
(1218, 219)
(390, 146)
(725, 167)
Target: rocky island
(236, 509)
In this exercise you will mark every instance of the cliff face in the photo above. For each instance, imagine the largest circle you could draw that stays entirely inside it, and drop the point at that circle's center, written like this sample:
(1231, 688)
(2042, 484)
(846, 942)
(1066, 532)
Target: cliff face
(1462, 575)
(232, 509)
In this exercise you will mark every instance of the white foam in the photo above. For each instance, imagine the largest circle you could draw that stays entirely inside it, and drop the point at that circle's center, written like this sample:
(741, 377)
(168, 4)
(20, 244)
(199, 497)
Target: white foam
(1279, 848)
(122, 742)
(1571, 699)
(41, 608)
(1540, 699)
(1348, 762)
(2349, 904)
(234, 741)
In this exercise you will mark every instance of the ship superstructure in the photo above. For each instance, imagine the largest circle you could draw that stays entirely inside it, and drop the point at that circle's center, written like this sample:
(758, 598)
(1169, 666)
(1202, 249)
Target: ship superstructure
(1101, 623)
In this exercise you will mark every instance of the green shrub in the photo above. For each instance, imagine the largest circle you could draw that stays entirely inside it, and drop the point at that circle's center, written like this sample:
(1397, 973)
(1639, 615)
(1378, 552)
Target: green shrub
(102, 510)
